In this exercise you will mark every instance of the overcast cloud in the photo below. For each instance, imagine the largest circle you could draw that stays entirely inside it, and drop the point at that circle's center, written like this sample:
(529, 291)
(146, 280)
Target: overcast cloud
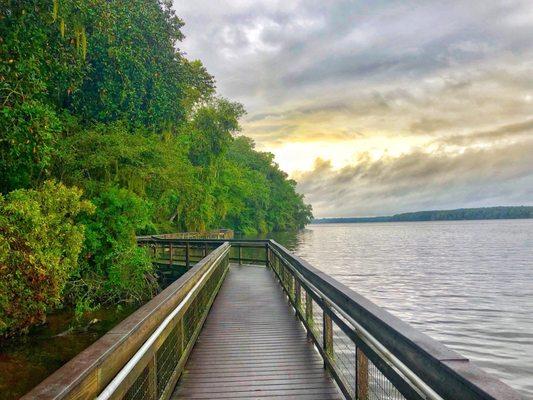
(407, 105)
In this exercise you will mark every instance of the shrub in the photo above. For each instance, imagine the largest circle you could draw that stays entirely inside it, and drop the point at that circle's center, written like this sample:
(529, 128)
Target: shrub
(40, 241)
(113, 269)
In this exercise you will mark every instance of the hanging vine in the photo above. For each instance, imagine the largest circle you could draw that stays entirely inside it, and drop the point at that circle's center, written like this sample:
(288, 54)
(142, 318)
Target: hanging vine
(78, 29)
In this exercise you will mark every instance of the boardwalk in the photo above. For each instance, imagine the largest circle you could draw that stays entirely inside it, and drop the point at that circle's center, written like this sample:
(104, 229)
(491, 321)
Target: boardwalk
(253, 347)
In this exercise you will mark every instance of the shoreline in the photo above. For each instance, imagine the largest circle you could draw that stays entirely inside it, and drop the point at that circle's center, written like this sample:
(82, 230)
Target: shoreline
(460, 214)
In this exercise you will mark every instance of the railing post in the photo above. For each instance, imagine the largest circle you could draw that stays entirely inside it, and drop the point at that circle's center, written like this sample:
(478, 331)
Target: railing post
(240, 254)
(309, 314)
(170, 255)
(267, 255)
(205, 249)
(361, 375)
(187, 261)
(152, 376)
(327, 332)
(297, 295)
(182, 342)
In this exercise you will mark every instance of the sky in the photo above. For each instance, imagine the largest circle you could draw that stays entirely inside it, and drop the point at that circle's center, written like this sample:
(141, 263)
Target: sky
(379, 107)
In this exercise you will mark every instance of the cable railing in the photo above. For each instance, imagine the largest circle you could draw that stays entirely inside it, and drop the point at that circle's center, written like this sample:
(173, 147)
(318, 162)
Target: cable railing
(369, 353)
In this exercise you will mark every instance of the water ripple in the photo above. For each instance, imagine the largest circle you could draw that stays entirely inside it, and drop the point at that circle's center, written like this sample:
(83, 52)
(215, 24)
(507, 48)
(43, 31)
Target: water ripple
(468, 284)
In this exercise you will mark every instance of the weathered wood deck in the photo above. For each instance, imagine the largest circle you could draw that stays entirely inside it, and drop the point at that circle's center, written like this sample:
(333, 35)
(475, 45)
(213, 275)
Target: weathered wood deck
(253, 347)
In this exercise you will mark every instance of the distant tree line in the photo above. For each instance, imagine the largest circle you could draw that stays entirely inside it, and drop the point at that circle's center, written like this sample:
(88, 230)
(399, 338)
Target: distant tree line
(514, 212)
(108, 131)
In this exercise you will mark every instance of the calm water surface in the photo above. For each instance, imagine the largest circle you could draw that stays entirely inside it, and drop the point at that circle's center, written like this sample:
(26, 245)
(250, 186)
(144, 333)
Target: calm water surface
(26, 361)
(468, 284)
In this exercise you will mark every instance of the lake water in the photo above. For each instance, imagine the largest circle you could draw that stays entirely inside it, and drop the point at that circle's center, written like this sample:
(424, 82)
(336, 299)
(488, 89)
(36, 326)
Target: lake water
(468, 284)
(26, 361)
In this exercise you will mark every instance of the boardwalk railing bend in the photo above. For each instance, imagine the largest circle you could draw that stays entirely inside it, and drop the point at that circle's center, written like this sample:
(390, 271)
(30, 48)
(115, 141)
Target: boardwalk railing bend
(369, 353)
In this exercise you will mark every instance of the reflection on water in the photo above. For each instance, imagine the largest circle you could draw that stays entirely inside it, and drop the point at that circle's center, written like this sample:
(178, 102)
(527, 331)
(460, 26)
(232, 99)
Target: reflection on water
(26, 361)
(468, 284)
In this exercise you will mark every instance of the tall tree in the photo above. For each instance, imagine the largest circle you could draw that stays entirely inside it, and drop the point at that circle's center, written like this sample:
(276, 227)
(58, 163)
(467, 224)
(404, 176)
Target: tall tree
(97, 95)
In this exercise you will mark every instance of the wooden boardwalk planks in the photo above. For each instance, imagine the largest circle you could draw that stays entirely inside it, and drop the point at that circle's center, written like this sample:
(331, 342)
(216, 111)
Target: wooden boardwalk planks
(253, 347)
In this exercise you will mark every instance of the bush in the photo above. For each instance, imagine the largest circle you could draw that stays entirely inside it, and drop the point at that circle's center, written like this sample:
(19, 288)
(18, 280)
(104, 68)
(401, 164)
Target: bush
(98, 95)
(112, 268)
(40, 241)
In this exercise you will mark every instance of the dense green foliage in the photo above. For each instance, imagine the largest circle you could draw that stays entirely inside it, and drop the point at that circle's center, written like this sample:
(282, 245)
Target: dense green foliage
(112, 268)
(514, 212)
(40, 240)
(95, 95)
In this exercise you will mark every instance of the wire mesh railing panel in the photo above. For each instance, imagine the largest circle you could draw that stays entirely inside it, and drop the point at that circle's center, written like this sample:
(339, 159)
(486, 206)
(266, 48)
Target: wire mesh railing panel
(168, 356)
(303, 300)
(249, 253)
(290, 285)
(190, 319)
(234, 252)
(379, 387)
(344, 359)
(142, 388)
(284, 276)
(317, 326)
(253, 254)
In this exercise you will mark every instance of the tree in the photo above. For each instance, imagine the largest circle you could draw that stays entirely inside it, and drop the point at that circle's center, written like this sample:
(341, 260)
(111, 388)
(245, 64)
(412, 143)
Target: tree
(97, 96)
(40, 240)
(112, 268)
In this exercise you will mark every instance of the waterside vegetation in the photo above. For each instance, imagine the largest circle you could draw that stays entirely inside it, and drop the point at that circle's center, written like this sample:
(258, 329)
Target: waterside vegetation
(108, 131)
(513, 212)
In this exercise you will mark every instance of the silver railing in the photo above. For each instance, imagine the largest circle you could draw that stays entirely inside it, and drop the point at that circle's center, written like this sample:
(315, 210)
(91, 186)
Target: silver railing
(369, 353)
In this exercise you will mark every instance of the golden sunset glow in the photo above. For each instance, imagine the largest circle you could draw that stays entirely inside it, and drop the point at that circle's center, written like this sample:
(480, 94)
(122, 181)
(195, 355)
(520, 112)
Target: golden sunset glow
(362, 87)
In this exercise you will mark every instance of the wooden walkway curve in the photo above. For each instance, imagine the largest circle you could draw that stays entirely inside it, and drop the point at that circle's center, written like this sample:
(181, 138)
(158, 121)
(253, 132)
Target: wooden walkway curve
(253, 347)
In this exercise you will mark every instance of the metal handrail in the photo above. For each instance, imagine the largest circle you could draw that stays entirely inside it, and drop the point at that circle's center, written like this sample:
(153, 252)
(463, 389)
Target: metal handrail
(119, 381)
(417, 366)
(91, 371)
(433, 368)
